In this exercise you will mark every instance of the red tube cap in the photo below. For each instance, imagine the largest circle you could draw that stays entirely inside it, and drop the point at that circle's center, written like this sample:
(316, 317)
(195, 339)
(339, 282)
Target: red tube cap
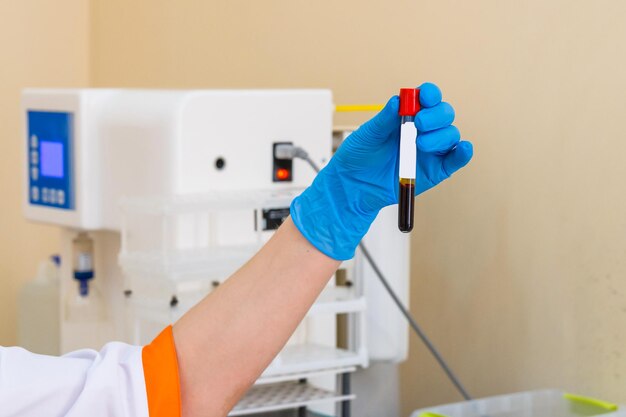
(409, 101)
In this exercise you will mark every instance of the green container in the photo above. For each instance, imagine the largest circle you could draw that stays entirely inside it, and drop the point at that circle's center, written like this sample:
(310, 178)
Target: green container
(544, 403)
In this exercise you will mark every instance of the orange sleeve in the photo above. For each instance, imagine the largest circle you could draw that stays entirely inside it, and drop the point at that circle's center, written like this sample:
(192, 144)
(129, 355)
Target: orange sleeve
(160, 369)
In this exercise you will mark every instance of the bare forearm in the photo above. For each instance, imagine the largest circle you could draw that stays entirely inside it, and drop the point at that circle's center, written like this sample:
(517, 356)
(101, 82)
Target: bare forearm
(226, 341)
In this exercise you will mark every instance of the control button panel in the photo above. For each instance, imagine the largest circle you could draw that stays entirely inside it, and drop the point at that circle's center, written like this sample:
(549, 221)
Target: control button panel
(60, 197)
(50, 168)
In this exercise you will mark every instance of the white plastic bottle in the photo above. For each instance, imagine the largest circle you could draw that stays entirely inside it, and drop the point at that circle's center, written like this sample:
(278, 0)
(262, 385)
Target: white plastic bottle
(39, 310)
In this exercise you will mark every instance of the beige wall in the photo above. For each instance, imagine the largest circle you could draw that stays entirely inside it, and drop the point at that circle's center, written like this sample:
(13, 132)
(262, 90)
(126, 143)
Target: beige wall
(519, 267)
(519, 264)
(42, 43)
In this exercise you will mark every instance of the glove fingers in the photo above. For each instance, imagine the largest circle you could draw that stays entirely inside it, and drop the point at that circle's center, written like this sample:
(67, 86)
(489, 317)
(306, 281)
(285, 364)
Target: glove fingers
(439, 141)
(433, 118)
(430, 95)
(457, 158)
(384, 123)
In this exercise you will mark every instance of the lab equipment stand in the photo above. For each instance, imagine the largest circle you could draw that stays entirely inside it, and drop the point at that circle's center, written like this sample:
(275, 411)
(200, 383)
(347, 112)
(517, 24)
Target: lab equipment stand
(181, 248)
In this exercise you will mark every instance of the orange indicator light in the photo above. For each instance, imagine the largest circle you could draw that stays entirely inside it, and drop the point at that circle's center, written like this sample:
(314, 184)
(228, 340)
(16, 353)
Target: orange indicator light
(282, 174)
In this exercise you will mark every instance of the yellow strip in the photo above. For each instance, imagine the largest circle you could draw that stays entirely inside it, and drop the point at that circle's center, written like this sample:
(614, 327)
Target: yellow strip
(358, 107)
(590, 401)
(430, 414)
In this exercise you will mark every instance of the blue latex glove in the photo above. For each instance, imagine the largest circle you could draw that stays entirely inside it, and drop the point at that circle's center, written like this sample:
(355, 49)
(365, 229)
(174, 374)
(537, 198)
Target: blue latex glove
(336, 211)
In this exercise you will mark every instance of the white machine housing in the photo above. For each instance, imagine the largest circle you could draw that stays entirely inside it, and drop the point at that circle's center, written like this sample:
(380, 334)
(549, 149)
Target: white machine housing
(146, 142)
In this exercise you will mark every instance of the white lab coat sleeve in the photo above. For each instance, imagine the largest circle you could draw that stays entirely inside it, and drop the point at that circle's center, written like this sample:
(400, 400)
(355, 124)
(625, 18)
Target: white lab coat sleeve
(84, 383)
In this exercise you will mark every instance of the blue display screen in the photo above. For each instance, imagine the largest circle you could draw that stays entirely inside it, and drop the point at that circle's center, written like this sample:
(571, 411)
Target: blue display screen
(51, 159)
(50, 170)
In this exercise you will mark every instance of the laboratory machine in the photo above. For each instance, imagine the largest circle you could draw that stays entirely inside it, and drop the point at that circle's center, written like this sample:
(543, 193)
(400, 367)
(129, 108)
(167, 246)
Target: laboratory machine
(161, 195)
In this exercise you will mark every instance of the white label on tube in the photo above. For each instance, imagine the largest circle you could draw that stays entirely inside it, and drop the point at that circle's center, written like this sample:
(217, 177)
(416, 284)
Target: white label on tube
(408, 150)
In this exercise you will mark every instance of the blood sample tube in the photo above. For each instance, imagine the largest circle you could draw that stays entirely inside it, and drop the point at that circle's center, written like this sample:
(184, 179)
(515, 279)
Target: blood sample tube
(409, 106)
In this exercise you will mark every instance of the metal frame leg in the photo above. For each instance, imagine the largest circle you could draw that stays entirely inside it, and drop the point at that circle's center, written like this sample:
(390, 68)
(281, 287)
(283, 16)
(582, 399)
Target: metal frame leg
(345, 390)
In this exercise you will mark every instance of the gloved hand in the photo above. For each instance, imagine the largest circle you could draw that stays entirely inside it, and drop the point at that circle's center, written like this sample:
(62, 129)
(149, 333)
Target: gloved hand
(336, 211)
